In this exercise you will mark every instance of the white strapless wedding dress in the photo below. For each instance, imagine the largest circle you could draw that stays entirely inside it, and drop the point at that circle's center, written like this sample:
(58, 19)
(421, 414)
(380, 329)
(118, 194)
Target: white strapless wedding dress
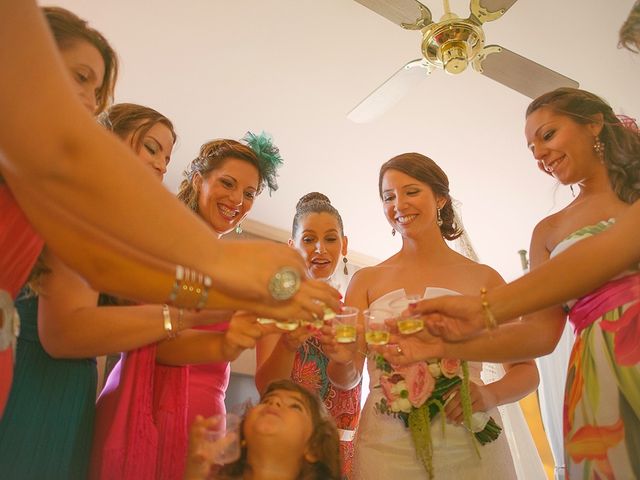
(385, 451)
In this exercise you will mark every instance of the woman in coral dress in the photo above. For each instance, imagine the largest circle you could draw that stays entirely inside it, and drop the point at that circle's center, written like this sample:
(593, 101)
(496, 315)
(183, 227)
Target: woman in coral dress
(318, 234)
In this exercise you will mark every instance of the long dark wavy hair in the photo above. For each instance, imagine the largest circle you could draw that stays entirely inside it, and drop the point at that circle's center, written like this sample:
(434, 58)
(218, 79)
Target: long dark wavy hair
(630, 31)
(621, 142)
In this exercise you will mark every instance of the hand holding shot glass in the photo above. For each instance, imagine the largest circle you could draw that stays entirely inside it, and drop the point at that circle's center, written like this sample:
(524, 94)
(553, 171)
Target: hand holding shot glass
(222, 439)
(290, 325)
(407, 322)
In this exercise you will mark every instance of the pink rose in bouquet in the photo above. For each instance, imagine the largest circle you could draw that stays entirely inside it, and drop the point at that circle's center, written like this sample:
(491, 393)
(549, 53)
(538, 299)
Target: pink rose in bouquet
(415, 394)
(450, 367)
(388, 383)
(420, 382)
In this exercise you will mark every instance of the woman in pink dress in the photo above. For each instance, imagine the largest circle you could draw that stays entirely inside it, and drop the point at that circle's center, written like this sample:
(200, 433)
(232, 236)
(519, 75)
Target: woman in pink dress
(221, 186)
(20, 246)
(148, 400)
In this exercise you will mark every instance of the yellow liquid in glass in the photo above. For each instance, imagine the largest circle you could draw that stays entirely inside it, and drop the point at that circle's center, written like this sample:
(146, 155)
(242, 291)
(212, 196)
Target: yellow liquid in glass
(377, 337)
(345, 333)
(410, 325)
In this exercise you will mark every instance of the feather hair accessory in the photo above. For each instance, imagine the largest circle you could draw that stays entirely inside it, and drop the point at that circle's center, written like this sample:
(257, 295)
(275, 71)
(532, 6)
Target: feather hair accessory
(268, 155)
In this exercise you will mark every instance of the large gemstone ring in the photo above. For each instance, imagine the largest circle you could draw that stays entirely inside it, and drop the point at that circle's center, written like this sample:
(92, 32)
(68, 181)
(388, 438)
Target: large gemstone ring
(284, 284)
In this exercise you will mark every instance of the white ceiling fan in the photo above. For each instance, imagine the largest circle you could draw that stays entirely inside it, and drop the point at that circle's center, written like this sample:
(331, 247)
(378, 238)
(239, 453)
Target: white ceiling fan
(451, 44)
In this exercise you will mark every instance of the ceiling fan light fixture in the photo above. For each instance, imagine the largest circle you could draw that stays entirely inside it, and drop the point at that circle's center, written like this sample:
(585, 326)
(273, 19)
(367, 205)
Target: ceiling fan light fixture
(454, 57)
(452, 45)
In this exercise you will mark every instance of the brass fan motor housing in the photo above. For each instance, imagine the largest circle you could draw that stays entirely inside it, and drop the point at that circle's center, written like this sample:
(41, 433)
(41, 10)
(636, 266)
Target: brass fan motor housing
(452, 44)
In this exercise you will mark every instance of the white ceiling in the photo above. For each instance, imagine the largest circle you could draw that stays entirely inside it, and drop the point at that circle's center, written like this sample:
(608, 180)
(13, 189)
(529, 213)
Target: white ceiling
(295, 68)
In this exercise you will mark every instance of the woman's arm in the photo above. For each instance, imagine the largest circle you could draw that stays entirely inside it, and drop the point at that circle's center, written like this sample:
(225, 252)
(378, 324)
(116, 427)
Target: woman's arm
(519, 380)
(275, 355)
(570, 274)
(529, 337)
(71, 325)
(573, 273)
(523, 339)
(67, 173)
(192, 347)
(346, 361)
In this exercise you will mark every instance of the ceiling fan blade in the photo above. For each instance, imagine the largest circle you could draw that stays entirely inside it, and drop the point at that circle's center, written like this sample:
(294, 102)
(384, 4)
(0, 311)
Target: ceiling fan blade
(519, 73)
(489, 10)
(390, 92)
(406, 13)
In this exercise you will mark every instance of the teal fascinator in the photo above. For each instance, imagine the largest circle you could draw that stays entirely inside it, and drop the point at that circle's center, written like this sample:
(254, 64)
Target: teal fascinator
(268, 157)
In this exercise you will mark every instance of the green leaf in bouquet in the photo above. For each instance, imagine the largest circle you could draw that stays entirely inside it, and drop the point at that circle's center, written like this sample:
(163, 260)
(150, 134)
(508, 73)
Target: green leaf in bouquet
(382, 364)
(420, 427)
(490, 433)
(443, 385)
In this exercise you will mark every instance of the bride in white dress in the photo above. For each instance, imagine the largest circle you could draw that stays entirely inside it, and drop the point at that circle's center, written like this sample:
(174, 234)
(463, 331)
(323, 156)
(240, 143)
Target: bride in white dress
(416, 202)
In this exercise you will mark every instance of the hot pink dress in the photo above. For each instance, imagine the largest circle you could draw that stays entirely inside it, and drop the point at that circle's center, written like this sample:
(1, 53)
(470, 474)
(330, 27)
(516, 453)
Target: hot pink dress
(20, 246)
(141, 424)
(208, 384)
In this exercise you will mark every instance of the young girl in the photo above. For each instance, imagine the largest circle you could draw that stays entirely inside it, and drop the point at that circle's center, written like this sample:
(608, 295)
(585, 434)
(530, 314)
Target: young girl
(289, 433)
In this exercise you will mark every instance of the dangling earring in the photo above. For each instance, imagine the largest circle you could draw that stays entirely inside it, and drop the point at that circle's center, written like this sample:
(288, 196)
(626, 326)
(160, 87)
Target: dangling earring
(393, 232)
(344, 259)
(598, 147)
(439, 218)
(239, 228)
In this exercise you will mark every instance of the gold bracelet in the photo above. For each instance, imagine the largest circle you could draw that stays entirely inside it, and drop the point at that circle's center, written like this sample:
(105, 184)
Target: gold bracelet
(489, 319)
(180, 324)
(190, 288)
(176, 285)
(166, 321)
(204, 291)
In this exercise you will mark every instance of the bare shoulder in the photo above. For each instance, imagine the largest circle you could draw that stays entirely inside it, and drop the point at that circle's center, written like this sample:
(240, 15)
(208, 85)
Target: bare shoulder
(542, 238)
(546, 225)
(364, 276)
(489, 277)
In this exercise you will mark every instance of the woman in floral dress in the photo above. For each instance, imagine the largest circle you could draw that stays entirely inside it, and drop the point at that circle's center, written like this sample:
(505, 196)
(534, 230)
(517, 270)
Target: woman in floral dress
(318, 234)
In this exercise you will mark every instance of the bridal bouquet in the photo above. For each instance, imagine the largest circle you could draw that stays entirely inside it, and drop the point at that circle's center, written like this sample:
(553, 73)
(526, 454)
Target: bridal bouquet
(414, 394)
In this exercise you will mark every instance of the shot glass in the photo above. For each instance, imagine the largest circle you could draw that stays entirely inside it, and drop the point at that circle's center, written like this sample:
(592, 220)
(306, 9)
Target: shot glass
(223, 439)
(375, 325)
(407, 322)
(344, 324)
